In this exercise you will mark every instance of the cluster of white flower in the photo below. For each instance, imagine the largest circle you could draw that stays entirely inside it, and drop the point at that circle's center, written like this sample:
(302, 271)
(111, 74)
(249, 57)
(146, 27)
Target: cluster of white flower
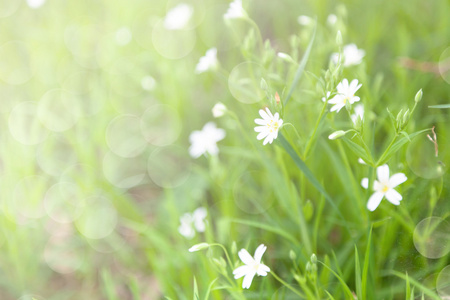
(192, 222)
(205, 140)
(351, 55)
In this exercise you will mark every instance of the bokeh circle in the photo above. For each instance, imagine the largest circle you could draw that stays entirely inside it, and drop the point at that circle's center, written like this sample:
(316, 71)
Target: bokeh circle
(432, 237)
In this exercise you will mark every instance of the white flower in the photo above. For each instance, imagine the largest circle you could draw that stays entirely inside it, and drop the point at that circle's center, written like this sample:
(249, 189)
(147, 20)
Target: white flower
(304, 20)
(345, 92)
(270, 124)
(352, 55)
(332, 19)
(252, 266)
(235, 10)
(205, 140)
(35, 3)
(178, 17)
(219, 110)
(359, 112)
(384, 187)
(207, 62)
(337, 134)
(191, 222)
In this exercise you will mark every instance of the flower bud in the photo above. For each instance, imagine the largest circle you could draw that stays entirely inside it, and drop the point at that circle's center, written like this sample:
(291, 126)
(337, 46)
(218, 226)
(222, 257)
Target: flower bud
(219, 110)
(308, 267)
(314, 258)
(337, 134)
(292, 255)
(418, 96)
(233, 248)
(199, 247)
(285, 57)
(300, 279)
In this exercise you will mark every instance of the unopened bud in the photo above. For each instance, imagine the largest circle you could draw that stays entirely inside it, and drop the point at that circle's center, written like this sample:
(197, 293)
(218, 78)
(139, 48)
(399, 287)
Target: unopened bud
(234, 248)
(198, 247)
(292, 255)
(277, 98)
(337, 134)
(418, 96)
(314, 258)
(219, 110)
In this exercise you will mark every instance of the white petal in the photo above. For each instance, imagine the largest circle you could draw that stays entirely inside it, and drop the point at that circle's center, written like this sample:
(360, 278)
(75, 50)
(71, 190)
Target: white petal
(393, 196)
(264, 115)
(269, 113)
(259, 252)
(365, 183)
(260, 128)
(269, 139)
(374, 201)
(262, 135)
(353, 84)
(383, 173)
(262, 270)
(248, 279)
(397, 179)
(246, 257)
(241, 271)
(354, 99)
(260, 122)
(337, 107)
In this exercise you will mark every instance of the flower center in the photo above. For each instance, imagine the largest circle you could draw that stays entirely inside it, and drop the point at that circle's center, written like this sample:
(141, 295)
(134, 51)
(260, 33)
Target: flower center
(273, 126)
(385, 189)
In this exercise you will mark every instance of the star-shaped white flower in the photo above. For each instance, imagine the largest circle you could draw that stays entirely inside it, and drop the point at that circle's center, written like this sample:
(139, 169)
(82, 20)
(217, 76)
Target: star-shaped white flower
(205, 140)
(252, 266)
(345, 92)
(207, 62)
(178, 17)
(384, 187)
(352, 55)
(235, 10)
(192, 222)
(270, 124)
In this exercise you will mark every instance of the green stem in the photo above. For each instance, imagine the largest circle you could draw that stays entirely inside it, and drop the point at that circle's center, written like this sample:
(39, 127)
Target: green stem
(286, 284)
(387, 150)
(311, 139)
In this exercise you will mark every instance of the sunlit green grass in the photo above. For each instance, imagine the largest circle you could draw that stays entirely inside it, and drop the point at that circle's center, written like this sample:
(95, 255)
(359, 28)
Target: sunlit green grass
(99, 100)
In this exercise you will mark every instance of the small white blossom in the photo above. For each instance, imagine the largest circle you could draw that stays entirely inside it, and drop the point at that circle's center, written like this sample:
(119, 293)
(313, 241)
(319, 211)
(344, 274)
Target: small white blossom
(331, 20)
(270, 124)
(235, 10)
(384, 187)
(219, 110)
(252, 266)
(178, 17)
(352, 55)
(205, 140)
(207, 62)
(345, 92)
(304, 20)
(359, 112)
(35, 3)
(192, 222)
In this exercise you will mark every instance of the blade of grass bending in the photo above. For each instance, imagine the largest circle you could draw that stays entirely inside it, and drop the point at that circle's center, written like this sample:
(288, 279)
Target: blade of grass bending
(440, 106)
(424, 289)
(366, 265)
(308, 174)
(344, 285)
(268, 228)
(301, 67)
(209, 288)
(196, 296)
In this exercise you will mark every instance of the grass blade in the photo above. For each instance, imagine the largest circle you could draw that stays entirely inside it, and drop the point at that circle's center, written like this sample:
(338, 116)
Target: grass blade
(358, 276)
(440, 106)
(417, 284)
(301, 67)
(268, 228)
(366, 265)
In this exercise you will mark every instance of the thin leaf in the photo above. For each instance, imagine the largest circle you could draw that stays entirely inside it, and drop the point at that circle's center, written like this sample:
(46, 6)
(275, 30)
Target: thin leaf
(440, 106)
(108, 285)
(405, 134)
(358, 276)
(196, 296)
(344, 285)
(301, 67)
(408, 287)
(366, 265)
(358, 151)
(209, 288)
(417, 284)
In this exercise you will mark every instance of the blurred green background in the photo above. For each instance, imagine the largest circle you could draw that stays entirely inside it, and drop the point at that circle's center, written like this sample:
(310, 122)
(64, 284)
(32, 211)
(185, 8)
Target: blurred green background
(98, 100)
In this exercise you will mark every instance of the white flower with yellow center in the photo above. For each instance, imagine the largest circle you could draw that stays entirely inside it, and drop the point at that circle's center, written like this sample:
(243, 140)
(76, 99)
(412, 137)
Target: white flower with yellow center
(252, 267)
(351, 55)
(384, 187)
(235, 10)
(270, 124)
(345, 93)
(205, 140)
(207, 62)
